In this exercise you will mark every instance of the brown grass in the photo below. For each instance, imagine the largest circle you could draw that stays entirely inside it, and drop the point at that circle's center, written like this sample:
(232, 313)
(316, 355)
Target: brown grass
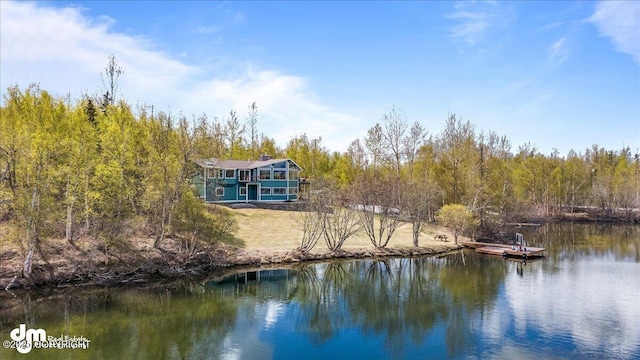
(270, 237)
(263, 229)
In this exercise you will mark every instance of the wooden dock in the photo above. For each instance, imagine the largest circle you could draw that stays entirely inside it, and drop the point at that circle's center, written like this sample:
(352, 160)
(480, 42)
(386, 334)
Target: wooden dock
(524, 252)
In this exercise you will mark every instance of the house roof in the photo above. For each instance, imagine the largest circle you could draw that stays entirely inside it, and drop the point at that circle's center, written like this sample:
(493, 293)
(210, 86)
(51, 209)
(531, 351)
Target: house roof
(214, 163)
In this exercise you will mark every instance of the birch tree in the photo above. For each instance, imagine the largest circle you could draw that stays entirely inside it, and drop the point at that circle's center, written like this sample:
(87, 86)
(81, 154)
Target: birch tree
(379, 199)
(234, 131)
(252, 124)
(110, 78)
(395, 128)
(412, 143)
(37, 121)
(374, 144)
(420, 200)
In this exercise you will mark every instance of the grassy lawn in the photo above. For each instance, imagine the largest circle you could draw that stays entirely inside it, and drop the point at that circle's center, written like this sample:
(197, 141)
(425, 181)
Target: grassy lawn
(263, 229)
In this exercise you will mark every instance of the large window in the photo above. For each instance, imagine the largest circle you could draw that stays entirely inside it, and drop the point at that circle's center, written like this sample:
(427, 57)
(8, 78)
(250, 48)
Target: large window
(279, 174)
(280, 165)
(229, 174)
(279, 191)
(293, 191)
(219, 173)
(265, 191)
(265, 174)
(294, 175)
(242, 191)
(244, 175)
(219, 191)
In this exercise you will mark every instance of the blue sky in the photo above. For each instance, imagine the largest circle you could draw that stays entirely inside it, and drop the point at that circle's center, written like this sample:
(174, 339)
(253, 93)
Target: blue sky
(561, 75)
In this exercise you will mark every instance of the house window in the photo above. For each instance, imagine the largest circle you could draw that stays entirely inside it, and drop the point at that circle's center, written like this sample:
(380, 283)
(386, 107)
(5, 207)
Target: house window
(244, 175)
(293, 191)
(219, 173)
(265, 174)
(279, 174)
(242, 191)
(219, 191)
(279, 191)
(294, 175)
(229, 174)
(280, 165)
(265, 191)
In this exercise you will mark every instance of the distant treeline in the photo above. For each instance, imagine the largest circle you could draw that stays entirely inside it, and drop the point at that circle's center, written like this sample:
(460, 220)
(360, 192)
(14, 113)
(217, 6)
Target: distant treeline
(88, 166)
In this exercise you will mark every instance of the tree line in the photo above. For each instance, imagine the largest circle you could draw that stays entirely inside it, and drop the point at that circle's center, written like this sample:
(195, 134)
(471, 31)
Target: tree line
(472, 180)
(99, 169)
(96, 165)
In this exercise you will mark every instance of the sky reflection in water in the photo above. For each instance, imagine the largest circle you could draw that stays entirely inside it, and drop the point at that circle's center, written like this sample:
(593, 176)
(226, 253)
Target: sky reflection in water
(579, 302)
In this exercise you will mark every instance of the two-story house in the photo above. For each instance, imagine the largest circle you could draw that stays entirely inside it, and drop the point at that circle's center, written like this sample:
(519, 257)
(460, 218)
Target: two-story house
(265, 179)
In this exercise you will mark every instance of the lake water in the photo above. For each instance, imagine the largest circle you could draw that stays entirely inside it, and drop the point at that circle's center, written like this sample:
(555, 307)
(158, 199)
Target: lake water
(580, 302)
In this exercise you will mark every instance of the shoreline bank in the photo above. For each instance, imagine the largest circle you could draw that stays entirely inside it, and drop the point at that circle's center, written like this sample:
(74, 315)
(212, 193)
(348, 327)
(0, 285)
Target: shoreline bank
(212, 262)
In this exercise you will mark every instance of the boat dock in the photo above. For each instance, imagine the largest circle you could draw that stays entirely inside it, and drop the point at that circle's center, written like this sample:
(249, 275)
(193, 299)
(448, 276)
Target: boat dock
(505, 250)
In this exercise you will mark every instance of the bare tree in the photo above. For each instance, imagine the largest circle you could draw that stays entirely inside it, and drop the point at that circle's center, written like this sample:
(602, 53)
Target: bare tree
(420, 199)
(339, 225)
(234, 131)
(309, 221)
(395, 127)
(378, 198)
(357, 154)
(374, 143)
(326, 217)
(310, 224)
(110, 80)
(252, 123)
(412, 143)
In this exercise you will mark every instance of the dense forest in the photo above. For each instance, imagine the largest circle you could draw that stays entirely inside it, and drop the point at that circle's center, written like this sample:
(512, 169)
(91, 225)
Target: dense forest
(97, 167)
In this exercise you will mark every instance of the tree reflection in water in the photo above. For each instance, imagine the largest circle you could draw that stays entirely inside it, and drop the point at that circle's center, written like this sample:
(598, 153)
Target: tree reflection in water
(400, 300)
(128, 323)
(450, 306)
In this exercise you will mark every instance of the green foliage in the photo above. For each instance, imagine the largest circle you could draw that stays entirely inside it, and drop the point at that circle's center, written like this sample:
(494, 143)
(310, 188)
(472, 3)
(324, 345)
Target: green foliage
(310, 154)
(458, 218)
(196, 225)
(68, 169)
(34, 161)
(458, 165)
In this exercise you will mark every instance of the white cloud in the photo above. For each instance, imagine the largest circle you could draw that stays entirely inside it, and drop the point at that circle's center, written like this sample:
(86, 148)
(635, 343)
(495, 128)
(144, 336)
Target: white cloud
(67, 51)
(558, 52)
(475, 19)
(620, 21)
(597, 311)
(286, 104)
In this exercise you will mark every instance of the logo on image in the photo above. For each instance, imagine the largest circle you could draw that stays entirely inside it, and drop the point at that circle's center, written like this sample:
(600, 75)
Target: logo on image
(24, 340)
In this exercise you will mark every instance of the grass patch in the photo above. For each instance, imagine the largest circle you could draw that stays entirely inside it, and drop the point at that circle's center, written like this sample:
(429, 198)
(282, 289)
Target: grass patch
(263, 229)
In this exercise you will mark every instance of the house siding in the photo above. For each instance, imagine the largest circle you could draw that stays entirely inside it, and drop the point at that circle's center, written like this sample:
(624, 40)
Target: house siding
(219, 187)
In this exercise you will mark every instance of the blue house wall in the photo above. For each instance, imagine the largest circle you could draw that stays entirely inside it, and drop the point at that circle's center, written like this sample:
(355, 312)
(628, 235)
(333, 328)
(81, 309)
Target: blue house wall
(240, 181)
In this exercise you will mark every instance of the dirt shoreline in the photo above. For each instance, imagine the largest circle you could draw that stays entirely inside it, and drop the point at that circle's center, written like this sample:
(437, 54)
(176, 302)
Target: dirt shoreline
(167, 266)
(264, 237)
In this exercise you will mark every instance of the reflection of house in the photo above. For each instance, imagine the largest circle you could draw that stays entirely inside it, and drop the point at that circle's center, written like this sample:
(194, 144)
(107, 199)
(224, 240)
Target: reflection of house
(265, 284)
(238, 180)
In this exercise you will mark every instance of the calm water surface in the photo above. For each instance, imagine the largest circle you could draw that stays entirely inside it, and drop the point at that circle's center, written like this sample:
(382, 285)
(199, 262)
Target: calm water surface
(581, 302)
